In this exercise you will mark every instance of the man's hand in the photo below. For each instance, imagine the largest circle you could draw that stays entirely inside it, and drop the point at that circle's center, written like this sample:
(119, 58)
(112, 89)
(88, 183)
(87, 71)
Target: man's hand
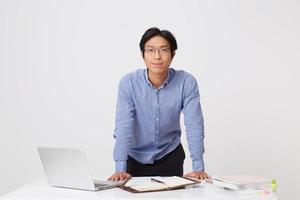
(119, 176)
(197, 175)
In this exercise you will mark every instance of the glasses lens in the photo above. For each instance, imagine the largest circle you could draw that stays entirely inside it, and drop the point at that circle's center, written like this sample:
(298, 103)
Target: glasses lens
(162, 51)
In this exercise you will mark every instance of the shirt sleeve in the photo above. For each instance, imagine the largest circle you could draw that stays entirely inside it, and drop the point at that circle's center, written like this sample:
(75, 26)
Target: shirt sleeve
(193, 121)
(124, 124)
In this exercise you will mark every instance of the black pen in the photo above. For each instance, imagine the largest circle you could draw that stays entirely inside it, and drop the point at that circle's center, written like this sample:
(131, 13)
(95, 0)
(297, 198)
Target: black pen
(158, 181)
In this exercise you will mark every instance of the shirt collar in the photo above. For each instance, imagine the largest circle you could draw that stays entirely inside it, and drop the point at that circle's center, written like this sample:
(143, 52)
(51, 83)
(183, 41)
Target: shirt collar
(164, 83)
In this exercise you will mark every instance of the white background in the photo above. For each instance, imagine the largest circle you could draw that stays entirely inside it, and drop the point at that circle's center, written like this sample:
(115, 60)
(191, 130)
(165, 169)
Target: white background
(61, 60)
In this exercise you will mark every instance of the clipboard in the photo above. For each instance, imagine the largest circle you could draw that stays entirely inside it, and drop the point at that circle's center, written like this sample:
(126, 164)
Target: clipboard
(156, 184)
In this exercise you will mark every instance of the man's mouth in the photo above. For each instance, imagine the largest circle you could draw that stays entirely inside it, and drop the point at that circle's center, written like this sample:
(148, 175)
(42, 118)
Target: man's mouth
(157, 64)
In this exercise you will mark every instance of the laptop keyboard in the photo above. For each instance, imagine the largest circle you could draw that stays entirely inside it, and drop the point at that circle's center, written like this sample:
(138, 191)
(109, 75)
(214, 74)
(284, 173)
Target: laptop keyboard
(103, 186)
(100, 185)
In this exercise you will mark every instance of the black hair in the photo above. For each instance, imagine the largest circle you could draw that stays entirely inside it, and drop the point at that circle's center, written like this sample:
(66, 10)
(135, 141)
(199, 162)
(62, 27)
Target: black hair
(152, 32)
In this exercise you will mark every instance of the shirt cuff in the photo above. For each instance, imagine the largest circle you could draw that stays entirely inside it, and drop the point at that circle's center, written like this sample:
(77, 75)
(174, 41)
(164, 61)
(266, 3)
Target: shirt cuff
(121, 166)
(198, 165)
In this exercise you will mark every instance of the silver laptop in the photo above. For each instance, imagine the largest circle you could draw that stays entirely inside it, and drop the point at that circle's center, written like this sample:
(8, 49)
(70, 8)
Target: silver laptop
(68, 168)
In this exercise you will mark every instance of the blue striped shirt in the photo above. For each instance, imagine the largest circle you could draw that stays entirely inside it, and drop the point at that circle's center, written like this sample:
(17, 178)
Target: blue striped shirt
(147, 125)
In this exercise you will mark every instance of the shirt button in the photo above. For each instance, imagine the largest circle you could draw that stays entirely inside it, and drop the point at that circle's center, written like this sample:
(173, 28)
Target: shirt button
(156, 131)
(157, 119)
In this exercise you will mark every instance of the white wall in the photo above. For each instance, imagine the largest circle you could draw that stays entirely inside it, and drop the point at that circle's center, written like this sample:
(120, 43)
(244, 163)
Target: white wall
(61, 60)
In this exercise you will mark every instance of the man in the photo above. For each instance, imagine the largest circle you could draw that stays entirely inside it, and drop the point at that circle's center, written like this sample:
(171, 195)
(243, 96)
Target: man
(149, 104)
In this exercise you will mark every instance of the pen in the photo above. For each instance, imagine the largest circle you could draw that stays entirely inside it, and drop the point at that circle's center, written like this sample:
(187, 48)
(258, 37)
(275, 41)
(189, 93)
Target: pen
(158, 181)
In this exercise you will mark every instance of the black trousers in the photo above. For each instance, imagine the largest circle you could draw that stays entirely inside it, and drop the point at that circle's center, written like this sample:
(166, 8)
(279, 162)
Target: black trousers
(170, 165)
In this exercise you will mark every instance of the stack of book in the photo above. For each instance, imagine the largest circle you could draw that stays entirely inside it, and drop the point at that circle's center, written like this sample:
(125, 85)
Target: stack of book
(245, 183)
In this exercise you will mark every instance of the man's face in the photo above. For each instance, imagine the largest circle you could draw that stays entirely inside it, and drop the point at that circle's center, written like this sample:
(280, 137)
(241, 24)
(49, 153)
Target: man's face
(157, 55)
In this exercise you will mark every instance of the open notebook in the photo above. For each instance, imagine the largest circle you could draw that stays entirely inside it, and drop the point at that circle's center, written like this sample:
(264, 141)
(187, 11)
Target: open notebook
(153, 184)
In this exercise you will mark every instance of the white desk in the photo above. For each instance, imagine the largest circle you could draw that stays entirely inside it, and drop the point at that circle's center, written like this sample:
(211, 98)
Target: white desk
(39, 189)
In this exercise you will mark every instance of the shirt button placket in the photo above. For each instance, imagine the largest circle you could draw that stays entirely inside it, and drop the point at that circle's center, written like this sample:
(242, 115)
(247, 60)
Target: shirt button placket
(156, 117)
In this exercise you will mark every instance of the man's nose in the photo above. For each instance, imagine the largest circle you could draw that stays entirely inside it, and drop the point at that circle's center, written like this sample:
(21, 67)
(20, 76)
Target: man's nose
(157, 54)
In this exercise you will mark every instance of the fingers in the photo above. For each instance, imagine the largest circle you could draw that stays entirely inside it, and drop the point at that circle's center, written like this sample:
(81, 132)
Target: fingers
(203, 176)
(119, 176)
(116, 177)
(198, 175)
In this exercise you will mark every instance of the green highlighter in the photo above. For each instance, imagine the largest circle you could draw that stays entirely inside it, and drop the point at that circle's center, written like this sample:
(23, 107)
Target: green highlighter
(274, 185)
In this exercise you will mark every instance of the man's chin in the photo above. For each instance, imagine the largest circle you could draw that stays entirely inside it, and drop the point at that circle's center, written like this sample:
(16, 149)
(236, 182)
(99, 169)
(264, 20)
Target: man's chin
(156, 70)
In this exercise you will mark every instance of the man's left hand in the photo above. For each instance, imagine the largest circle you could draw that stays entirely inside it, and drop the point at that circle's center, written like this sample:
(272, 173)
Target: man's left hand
(197, 175)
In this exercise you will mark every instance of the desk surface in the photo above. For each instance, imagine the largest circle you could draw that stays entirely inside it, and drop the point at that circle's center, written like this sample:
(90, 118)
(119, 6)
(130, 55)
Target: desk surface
(39, 189)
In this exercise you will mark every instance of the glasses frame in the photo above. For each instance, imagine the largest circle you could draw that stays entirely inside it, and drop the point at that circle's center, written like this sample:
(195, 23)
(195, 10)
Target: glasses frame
(151, 51)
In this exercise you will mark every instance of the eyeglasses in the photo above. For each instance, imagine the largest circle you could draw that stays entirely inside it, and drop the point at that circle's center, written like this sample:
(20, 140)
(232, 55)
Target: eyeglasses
(162, 51)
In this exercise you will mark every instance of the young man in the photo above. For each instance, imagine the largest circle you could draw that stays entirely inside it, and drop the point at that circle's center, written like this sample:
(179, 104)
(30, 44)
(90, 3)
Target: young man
(150, 101)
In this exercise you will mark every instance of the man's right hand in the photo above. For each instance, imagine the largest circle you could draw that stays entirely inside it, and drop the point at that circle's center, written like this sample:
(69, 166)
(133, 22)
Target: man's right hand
(119, 176)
